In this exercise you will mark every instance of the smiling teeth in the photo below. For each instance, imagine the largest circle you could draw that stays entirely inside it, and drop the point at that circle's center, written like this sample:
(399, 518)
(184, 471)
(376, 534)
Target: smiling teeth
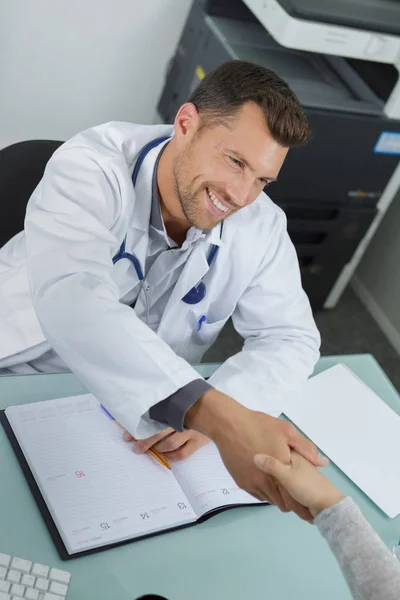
(216, 202)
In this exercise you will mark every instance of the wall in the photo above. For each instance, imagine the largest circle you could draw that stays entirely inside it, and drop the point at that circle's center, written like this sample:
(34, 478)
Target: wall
(66, 65)
(377, 279)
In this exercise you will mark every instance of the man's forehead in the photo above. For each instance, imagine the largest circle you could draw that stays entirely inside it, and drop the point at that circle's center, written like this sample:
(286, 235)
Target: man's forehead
(244, 132)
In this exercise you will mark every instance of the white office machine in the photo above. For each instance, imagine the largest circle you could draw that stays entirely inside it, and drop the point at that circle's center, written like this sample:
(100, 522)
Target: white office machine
(367, 30)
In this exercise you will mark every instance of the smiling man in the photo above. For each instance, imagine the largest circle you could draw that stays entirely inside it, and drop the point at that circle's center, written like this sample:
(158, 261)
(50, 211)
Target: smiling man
(140, 242)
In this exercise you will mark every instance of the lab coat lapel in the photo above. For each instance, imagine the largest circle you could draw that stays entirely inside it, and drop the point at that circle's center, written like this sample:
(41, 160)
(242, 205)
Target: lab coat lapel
(137, 236)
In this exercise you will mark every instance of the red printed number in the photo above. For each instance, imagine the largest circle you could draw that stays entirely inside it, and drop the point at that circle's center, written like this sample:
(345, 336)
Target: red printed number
(80, 474)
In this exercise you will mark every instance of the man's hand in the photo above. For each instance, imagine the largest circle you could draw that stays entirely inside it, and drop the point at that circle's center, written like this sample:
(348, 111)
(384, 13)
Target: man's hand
(240, 433)
(303, 481)
(172, 444)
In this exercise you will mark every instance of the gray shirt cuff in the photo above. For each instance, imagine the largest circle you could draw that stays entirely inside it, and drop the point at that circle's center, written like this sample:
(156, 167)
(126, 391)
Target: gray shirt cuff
(173, 409)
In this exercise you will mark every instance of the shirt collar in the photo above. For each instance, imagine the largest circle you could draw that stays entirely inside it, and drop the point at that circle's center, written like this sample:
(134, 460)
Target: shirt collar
(214, 236)
(156, 219)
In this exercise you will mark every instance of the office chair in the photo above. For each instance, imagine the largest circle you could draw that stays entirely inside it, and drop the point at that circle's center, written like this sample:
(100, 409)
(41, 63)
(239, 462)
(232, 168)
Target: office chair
(21, 168)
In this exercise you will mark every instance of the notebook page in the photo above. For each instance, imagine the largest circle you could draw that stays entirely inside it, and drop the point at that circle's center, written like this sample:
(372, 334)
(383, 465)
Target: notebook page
(97, 490)
(355, 429)
(207, 483)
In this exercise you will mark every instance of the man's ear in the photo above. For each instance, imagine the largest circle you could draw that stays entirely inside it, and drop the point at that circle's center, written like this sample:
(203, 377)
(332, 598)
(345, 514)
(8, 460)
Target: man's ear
(187, 120)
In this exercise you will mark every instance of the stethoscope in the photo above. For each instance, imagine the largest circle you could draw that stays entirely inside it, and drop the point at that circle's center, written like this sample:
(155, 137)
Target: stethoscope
(198, 292)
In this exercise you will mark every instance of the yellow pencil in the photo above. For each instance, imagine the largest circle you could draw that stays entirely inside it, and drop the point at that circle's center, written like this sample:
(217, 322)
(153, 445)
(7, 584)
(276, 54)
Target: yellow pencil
(159, 458)
(151, 451)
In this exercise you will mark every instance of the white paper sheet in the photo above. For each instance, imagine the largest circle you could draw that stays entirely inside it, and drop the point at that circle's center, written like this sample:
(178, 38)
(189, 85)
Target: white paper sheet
(355, 429)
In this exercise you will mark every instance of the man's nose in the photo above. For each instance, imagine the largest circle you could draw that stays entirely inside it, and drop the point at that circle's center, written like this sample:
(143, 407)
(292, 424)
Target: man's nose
(239, 190)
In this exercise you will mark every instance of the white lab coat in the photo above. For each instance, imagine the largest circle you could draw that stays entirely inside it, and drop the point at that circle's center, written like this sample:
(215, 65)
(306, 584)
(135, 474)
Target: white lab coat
(59, 288)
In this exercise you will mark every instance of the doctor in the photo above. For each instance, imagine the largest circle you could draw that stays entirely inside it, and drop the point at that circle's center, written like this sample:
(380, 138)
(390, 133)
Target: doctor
(140, 242)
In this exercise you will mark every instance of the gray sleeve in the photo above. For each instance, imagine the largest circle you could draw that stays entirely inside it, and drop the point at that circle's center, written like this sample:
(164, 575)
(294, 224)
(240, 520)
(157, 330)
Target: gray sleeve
(371, 570)
(173, 409)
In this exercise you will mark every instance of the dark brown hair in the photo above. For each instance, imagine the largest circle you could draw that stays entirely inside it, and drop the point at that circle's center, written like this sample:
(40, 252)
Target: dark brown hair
(222, 93)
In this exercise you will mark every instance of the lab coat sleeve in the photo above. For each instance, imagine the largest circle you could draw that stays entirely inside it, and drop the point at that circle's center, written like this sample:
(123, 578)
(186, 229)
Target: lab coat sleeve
(281, 341)
(70, 246)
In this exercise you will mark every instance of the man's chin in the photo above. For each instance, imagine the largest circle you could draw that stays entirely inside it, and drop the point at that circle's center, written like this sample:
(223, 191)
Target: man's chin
(207, 226)
(203, 220)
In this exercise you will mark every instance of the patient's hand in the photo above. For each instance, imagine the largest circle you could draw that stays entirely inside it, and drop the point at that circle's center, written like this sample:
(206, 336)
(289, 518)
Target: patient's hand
(304, 482)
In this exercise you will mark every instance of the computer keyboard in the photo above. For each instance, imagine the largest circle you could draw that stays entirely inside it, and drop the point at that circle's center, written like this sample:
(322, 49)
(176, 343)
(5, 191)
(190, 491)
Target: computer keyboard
(21, 579)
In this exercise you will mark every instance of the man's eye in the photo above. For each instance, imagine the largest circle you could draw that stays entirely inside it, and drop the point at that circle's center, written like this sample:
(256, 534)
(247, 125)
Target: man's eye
(265, 182)
(236, 162)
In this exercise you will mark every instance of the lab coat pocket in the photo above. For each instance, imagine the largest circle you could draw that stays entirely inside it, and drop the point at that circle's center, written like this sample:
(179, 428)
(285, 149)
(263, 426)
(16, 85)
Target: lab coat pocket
(201, 334)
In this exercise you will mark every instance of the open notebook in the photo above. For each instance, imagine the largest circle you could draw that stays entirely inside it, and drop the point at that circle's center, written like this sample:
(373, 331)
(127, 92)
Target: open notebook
(93, 491)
